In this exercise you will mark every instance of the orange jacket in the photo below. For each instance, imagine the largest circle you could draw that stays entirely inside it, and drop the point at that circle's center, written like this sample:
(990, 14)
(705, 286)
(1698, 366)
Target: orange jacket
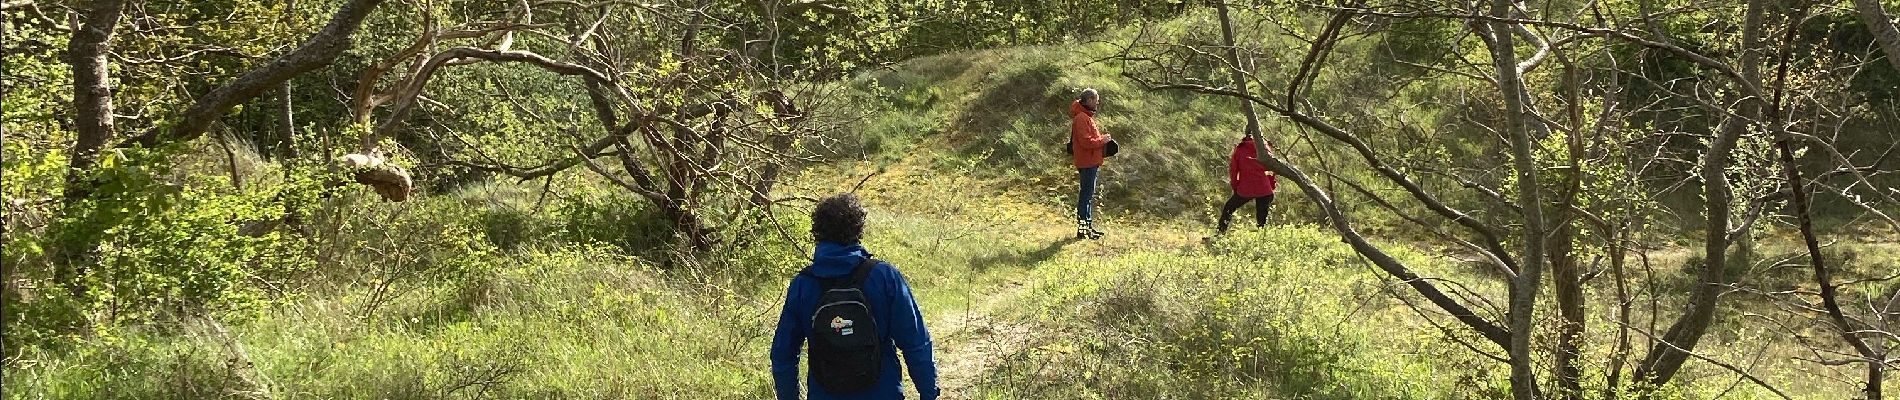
(1088, 139)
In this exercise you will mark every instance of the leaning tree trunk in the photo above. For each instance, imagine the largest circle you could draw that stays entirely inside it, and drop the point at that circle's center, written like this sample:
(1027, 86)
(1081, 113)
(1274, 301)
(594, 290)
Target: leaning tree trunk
(1799, 206)
(1240, 81)
(1338, 220)
(93, 102)
(1502, 336)
(1882, 27)
(316, 52)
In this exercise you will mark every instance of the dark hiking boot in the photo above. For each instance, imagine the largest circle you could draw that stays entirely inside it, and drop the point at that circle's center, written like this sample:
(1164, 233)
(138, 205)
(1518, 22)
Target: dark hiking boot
(1088, 231)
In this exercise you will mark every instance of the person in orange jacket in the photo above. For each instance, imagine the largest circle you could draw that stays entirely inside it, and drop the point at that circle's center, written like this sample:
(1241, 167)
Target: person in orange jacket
(1251, 182)
(1089, 146)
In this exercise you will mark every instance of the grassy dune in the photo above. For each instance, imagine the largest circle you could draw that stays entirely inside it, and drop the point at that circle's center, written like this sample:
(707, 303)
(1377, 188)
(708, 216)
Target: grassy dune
(961, 165)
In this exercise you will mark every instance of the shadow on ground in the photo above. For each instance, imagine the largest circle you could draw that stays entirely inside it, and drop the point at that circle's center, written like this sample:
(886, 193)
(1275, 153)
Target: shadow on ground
(1022, 260)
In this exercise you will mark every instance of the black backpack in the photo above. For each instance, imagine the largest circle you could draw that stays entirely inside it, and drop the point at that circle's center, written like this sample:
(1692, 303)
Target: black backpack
(845, 344)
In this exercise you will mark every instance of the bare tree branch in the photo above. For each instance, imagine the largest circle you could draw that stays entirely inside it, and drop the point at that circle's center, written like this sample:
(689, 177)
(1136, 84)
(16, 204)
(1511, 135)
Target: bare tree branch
(1719, 363)
(1748, 86)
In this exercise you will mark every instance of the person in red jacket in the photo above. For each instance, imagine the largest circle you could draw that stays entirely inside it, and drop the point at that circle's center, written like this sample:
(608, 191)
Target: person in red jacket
(1251, 182)
(1089, 146)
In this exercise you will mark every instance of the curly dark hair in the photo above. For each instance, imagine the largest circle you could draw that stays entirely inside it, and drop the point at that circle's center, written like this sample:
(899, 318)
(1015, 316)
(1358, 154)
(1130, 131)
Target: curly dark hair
(838, 219)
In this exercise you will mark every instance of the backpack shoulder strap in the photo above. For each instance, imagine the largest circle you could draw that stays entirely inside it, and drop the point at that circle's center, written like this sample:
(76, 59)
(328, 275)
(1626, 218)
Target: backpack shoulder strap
(855, 280)
(823, 282)
(863, 270)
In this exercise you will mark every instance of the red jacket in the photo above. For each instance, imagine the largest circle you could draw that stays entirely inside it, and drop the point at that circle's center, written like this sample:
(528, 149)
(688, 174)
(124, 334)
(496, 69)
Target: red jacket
(1088, 139)
(1246, 175)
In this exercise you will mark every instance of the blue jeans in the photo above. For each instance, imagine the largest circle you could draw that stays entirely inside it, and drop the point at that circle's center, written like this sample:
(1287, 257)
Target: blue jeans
(1082, 207)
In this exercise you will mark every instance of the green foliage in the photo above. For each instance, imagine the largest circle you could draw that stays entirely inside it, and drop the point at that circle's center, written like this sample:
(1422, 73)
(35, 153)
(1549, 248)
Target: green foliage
(940, 26)
(1841, 34)
(38, 91)
(614, 218)
(511, 216)
(160, 246)
(146, 250)
(1417, 41)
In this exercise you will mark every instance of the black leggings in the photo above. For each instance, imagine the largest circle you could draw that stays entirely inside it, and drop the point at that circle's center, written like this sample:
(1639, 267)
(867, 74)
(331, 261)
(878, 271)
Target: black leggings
(1260, 207)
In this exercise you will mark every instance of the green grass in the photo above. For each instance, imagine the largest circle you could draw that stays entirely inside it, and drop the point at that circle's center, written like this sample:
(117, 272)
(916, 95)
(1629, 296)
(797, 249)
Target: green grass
(551, 318)
(567, 323)
(1019, 309)
(1277, 313)
(547, 319)
(1003, 115)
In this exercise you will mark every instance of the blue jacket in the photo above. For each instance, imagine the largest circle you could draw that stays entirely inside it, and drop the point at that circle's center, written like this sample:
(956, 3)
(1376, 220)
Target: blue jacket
(898, 320)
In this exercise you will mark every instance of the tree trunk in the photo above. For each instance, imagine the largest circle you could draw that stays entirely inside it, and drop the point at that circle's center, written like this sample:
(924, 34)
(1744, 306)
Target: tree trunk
(1666, 357)
(230, 162)
(1567, 281)
(92, 123)
(1613, 380)
(688, 224)
(788, 114)
(1240, 80)
(1566, 277)
(1615, 235)
(1524, 286)
(286, 125)
(287, 117)
(689, 41)
(92, 90)
(1882, 27)
(1875, 371)
(287, 155)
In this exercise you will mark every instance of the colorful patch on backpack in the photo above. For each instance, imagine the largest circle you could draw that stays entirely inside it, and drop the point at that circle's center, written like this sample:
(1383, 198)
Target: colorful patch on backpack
(841, 325)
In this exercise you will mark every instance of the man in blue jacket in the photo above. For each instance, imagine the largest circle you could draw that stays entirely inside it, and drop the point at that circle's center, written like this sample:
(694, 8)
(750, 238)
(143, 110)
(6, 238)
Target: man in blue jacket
(838, 224)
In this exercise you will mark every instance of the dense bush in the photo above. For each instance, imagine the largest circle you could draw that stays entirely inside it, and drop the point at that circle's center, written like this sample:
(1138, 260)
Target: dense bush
(148, 247)
(614, 218)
